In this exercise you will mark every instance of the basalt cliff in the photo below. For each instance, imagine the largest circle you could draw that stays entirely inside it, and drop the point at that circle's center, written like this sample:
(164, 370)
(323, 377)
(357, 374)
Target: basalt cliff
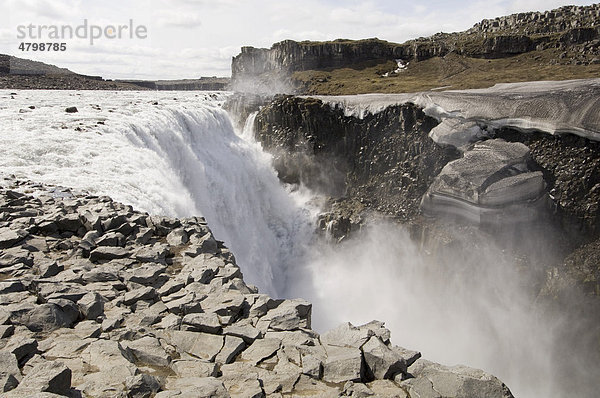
(562, 43)
(518, 161)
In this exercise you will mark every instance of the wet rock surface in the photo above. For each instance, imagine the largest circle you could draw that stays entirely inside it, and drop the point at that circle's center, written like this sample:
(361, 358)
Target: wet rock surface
(179, 321)
(571, 168)
(385, 161)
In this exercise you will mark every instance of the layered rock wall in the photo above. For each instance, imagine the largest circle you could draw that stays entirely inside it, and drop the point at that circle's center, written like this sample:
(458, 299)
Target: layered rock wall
(385, 161)
(571, 27)
(558, 20)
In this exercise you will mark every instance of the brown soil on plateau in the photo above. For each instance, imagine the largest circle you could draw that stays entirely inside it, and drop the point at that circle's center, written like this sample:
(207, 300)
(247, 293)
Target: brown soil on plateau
(450, 72)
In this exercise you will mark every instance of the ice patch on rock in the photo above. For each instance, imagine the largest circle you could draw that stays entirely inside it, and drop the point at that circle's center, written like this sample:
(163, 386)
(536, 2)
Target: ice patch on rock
(553, 107)
(457, 133)
(491, 183)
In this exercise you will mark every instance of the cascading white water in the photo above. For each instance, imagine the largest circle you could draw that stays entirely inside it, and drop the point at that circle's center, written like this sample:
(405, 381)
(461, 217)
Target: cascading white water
(182, 157)
(165, 155)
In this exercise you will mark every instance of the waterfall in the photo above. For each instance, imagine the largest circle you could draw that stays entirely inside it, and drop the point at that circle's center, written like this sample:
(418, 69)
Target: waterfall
(177, 158)
(178, 154)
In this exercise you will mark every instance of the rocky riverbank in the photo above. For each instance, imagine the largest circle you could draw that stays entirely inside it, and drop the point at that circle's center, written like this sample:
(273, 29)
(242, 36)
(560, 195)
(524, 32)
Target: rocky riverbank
(99, 300)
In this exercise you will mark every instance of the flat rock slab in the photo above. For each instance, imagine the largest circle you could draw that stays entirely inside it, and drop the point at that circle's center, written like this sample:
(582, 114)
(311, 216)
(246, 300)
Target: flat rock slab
(108, 253)
(343, 364)
(201, 345)
(9, 237)
(51, 376)
(260, 350)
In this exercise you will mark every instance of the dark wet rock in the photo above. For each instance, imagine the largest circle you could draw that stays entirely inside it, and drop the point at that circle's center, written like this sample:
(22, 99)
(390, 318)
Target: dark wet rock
(386, 160)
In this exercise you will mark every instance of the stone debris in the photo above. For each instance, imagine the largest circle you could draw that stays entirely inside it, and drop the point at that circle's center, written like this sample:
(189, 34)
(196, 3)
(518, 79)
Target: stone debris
(98, 300)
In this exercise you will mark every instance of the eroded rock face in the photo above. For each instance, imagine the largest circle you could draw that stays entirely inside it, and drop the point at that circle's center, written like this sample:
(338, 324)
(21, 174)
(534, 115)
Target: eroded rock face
(385, 161)
(176, 321)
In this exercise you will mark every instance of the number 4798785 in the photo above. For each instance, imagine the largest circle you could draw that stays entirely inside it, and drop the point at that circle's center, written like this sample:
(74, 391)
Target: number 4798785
(43, 46)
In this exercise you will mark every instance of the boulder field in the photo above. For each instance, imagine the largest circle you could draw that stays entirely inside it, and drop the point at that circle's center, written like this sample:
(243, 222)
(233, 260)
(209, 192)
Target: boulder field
(99, 300)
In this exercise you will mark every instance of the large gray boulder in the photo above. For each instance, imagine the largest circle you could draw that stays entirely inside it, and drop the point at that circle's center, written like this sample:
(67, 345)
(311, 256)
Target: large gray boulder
(200, 345)
(347, 335)
(50, 376)
(141, 386)
(148, 350)
(9, 371)
(343, 364)
(9, 237)
(194, 387)
(289, 315)
(491, 178)
(382, 362)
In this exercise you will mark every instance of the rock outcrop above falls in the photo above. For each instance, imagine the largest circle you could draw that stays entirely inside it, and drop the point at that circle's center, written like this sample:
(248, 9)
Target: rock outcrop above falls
(98, 300)
(385, 161)
(572, 28)
(555, 120)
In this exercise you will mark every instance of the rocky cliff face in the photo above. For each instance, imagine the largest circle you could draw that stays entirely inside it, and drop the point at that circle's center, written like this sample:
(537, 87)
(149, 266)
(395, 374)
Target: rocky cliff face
(385, 161)
(99, 300)
(555, 21)
(269, 70)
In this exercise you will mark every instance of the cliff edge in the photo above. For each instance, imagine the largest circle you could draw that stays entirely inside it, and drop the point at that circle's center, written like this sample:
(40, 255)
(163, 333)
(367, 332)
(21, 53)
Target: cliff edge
(99, 300)
(558, 44)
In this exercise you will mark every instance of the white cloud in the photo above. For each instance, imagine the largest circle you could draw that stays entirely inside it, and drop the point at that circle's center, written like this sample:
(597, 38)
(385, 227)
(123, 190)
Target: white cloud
(45, 8)
(178, 19)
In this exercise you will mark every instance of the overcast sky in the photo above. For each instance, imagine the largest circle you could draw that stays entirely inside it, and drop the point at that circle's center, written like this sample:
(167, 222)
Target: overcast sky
(193, 38)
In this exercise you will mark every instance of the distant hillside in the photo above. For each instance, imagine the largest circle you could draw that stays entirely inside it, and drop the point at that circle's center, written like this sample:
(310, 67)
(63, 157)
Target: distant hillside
(19, 66)
(19, 73)
(203, 83)
(558, 44)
